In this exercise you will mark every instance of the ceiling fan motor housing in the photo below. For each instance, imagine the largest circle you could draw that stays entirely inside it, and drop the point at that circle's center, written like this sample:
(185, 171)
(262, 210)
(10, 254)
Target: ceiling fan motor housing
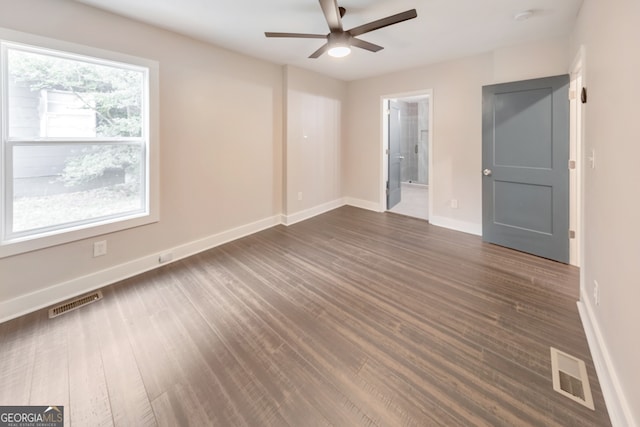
(339, 38)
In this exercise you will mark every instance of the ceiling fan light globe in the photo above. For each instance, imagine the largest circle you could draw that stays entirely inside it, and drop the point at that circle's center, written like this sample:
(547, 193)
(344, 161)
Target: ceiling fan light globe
(339, 51)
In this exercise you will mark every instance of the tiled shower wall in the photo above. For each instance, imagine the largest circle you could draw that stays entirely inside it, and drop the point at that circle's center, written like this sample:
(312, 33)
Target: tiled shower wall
(414, 146)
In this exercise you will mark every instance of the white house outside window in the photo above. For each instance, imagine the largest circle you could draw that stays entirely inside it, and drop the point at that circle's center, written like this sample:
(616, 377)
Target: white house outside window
(75, 142)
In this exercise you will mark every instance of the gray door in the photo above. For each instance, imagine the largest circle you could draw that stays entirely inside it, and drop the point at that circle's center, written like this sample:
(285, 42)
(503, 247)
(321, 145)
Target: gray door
(525, 156)
(394, 192)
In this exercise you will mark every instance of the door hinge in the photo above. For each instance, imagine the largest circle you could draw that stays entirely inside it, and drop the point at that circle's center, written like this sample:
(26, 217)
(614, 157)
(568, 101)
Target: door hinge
(386, 191)
(572, 234)
(572, 95)
(572, 164)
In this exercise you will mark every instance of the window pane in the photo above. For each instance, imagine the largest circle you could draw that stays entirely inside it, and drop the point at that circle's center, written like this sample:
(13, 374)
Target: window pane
(62, 184)
(51, 96)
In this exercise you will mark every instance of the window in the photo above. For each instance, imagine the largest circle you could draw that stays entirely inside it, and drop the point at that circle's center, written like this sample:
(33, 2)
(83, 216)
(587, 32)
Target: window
(76, 146)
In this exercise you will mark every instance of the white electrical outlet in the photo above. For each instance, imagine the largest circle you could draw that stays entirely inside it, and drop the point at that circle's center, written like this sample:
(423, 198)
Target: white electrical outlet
(99, 248)
(165, 257)
(300, 195)
(454, 203)
(592, 158)
(596, 292)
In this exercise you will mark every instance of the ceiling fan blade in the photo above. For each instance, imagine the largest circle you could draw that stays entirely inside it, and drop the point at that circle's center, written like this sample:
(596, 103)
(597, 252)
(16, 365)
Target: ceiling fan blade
(332, 14)
(365, 45)
(384, 22)
(296, 35)
(320, 51)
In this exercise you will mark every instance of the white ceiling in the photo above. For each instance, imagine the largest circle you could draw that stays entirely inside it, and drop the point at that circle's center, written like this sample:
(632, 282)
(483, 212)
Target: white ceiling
(444, 29)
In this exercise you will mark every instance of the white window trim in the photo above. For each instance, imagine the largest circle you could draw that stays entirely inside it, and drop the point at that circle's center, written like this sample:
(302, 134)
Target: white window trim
(94, 229)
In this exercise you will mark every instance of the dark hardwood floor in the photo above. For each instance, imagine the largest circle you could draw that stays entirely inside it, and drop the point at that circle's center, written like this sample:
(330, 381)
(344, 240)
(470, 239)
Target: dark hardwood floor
(352, 318)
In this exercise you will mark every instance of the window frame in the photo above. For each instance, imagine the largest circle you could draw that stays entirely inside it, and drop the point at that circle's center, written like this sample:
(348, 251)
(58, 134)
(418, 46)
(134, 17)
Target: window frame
(21, 242)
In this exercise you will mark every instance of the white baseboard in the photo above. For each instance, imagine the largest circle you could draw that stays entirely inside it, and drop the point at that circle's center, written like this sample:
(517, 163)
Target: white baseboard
(310, 213)
(440, 221)
(454, 224)
(62, 291)
(617, 404)
(363, 204)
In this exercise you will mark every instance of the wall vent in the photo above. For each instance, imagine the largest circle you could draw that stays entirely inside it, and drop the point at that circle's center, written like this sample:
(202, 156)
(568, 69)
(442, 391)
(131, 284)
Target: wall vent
(75, 303)
(570, 378)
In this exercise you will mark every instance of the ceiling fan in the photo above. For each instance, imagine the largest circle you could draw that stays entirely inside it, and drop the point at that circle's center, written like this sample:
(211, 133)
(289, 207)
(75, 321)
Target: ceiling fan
(339, 41)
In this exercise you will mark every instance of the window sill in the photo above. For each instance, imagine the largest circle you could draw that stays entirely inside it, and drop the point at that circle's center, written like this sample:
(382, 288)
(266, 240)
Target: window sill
(46, 240)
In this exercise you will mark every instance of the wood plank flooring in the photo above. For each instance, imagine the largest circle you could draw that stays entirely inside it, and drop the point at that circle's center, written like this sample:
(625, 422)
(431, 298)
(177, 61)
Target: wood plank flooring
(352, 318)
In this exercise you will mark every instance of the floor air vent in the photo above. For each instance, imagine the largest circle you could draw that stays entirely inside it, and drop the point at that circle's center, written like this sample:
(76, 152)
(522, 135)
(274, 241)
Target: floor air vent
(73, 304)
(570, 378)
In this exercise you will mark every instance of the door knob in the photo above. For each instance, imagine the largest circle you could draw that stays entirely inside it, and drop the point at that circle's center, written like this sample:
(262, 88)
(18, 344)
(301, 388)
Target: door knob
(487, 172)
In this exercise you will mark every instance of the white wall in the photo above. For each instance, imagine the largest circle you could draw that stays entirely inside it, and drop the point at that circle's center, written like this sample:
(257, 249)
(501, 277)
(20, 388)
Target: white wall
(531, 61)
(314, 129)
(221, 146)
(610, 33)
(457, 126)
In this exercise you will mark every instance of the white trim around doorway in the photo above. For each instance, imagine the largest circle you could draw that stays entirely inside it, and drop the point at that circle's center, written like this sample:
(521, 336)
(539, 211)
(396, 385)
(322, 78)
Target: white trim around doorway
(384, 144)
(576, 151)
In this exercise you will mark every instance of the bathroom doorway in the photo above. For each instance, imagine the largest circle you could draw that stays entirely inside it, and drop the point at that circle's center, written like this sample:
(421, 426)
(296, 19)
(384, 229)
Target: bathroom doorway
(407, 147)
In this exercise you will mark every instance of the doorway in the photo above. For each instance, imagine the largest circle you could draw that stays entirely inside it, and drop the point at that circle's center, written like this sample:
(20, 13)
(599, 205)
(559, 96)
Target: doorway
(407, 151)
